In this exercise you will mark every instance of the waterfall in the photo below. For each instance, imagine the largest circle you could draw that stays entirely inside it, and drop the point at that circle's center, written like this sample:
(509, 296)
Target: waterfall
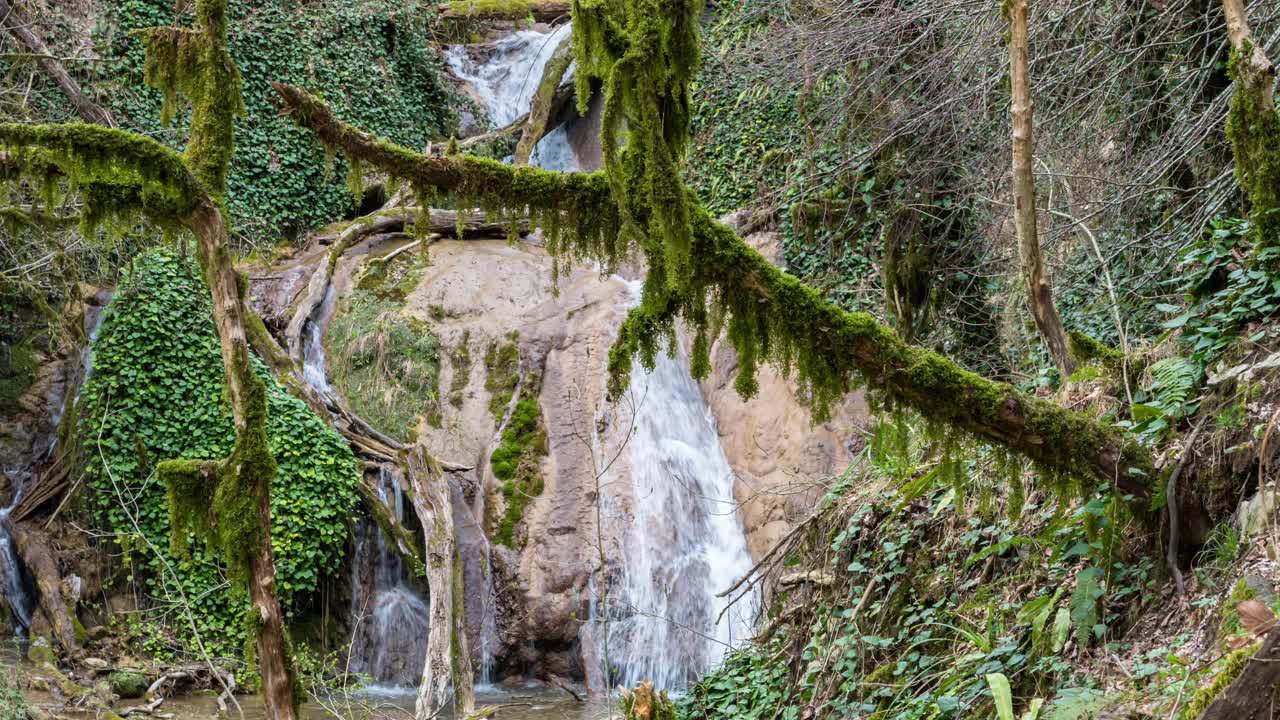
(314, 368)
(684, 544)
(390, 639)
(506, 78)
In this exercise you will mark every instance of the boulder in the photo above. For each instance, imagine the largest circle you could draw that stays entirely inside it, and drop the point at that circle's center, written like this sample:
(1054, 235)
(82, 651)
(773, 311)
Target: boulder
(128, 683)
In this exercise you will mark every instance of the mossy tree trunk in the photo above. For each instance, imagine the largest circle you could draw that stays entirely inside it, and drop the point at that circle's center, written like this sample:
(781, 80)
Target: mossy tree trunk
(1039, 291)
(1253, 127)
(448, 658)
(227, 501)
(540, 10)
(1255, 692)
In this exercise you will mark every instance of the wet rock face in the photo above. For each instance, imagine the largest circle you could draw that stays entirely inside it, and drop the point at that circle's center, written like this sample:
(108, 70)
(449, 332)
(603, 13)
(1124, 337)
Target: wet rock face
(482, 294)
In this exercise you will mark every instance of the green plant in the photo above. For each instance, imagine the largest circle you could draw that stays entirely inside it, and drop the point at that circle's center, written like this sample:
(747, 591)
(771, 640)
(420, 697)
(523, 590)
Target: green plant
(386, 363)
(155, 394)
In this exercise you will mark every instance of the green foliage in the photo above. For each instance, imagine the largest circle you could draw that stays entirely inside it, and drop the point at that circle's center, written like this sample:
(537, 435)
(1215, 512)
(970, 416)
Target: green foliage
(502, 375)
(18, 365)
(385, 363)
(374, 59)
(1228, 669)
(1224, 297)
(156, 394)
(13, 706)
(906, 634)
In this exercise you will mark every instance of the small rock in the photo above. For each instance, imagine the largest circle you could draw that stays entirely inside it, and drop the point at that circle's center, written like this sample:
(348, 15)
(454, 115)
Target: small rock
(96, 664)
(1251, 516)
(97, 632)
(41, 684)
(1264, 589)
(128, 684)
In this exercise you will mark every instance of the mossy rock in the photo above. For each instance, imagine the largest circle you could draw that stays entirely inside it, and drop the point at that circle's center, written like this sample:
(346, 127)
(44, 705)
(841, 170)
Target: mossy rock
(128, 683)
(40, 652)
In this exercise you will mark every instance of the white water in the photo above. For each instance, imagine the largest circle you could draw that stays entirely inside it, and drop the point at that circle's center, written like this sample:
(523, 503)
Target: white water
(506, 77)
(685, 543)
(390, 639)
(315, 369)
(15, 585)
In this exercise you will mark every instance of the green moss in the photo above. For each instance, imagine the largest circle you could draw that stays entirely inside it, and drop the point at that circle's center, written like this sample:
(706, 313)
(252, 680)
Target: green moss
(516, 462)
(1229, 622)
(385, 362)
(502, 366)
(18, 364)
(700, 271)
(480, 8)
(460, 358)
(1229, 670)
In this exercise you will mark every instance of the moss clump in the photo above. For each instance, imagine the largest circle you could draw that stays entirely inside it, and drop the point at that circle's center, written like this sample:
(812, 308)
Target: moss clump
(516, 462)
(502, 365)
(481, 8)
(18, 365)
(1231, 668)
(460, 358)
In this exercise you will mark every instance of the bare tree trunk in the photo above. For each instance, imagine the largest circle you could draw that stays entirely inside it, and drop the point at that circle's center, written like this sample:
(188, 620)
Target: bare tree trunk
(19, 27)
(1039, 291)
(429, 488)
(544, 101)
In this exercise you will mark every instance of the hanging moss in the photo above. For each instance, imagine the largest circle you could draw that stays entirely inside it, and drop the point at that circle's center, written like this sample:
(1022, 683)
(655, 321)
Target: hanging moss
(117, 174)
(1253, 127)
(195, 63)
(502, 375)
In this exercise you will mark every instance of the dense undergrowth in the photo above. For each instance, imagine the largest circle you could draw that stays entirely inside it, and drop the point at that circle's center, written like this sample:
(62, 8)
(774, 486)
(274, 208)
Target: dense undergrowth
(155, 394)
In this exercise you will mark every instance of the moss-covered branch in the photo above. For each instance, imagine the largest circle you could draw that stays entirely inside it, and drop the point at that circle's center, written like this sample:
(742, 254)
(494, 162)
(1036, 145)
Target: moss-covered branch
(772, 316)
(540, 10)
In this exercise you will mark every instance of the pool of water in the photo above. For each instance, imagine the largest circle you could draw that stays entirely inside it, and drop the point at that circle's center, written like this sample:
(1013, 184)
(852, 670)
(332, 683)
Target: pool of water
(532, 702)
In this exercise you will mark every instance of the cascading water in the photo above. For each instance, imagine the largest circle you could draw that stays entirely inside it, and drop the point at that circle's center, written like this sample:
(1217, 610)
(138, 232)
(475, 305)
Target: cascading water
(390, 641)
(505, 80)
(685, 543)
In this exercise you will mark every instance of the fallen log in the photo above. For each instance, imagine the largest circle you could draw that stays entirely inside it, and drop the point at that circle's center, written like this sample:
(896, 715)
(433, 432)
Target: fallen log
(540, 10)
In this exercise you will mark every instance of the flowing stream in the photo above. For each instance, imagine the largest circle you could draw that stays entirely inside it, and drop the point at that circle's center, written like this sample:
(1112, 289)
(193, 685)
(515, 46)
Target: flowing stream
(389, 642)
(684, 542)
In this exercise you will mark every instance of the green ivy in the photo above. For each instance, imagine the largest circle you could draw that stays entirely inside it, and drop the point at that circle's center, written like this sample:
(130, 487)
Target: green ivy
(155, 394)
(374, 60)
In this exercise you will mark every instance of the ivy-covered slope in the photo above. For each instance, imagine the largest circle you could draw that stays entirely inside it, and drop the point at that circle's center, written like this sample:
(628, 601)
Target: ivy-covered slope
(373, 58)
(155, 394)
